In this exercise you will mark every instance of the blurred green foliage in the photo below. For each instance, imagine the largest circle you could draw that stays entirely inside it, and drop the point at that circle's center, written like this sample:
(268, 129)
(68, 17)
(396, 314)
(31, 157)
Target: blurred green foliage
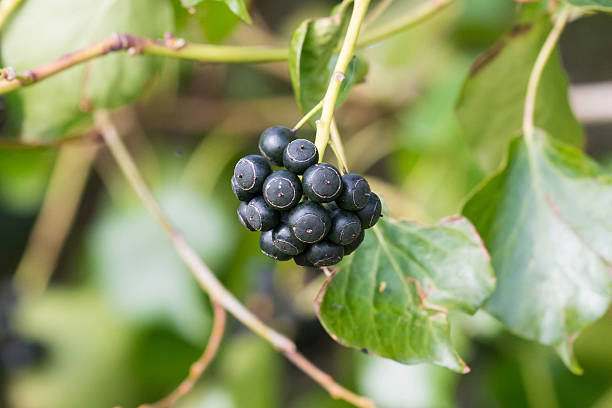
(123, 320)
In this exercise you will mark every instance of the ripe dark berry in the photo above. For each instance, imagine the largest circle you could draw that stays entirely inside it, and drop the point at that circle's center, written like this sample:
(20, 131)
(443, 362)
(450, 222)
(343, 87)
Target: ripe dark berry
(260, 216)
(282, 190)
(322, 183)
(241, 193)
(251, 171)
(324, 253)
(346, 227)
(350, 248)
(266, 245)
(310, 222)
(286, 242)
(301, 260)
(273, 141)
(370, 214)
(355, 192)
(332, 206)
(242, 216)
(299, 155)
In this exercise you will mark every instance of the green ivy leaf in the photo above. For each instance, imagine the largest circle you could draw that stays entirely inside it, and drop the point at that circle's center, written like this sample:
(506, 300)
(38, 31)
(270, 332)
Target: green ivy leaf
(238, 7)
(545, 218)
(312, 58)
(603, 5)
(491, 104)
(392, 296)
(42, 31)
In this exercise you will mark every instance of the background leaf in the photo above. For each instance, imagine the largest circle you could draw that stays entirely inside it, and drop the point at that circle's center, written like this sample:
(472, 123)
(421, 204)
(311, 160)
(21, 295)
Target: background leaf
(491, 104)
(545, 218)
(312, 59)
(238, 7)
(106, 82)
(392, 297)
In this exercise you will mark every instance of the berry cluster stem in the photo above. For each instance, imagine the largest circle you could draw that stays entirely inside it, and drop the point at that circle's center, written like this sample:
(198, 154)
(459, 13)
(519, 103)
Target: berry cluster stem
(347, 53)
(206, 278)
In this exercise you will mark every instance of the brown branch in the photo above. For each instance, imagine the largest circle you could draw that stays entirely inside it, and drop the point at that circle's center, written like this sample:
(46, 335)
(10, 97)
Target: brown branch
(206, 278)
(170, 47)
(197, 368)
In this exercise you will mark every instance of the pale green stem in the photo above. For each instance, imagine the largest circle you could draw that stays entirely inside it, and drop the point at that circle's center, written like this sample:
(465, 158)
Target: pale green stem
(338, 147)
(307, 117)
(414, 17)
(344, 58)
(6, 8)
(536, 74)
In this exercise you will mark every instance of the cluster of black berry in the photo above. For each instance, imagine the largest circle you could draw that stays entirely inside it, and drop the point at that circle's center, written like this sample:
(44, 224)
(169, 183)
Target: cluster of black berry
(311, 233)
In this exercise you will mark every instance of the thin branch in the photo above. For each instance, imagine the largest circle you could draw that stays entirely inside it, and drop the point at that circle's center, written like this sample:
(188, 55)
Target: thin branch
(6, 9)
(307, 116)
(197, 368)
(414, 17)
(376, 12)
(344, 58)
(338, 147)
(206, 278)
(171, 47)
(55, 218)
(536, 73)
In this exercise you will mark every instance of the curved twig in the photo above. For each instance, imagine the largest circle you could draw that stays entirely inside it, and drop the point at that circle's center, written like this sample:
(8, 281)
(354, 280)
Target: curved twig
(197, 368)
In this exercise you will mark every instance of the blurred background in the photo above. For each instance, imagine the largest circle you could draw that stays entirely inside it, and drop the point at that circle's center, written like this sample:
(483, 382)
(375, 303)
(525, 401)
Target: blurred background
(121, 318)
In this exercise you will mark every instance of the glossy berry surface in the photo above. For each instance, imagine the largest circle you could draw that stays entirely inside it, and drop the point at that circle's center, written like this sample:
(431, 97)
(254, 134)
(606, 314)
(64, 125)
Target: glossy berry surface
(346, 227)
(309, 222)
(355, 192)
(301, 260)
(299, 155)
(282, 190)
(370, 214)
(286, 242)
(266, 244)
(322, 183)
(324, 253)
(350, 248)
(241, 193)
(260, 216)
(243, 217)
(273, 141)
(251, 171)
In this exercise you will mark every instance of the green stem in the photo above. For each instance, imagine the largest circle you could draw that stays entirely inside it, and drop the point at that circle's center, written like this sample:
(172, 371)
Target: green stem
(145, 46)
(414, 17)
(344, 58)
(338, 147)
(6, 8)
(536, 74)
(307, 117)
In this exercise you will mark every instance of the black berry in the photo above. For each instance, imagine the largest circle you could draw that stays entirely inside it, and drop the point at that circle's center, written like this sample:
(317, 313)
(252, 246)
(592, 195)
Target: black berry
(310, 222)
(251, 171)
(243, 217)
(260, 216)
(370, 214)
(286, 242)
(355, 192)
(322, 183)
(266, 245)
(345, 228)
(282, 190)
(350, 248)
(324, 253)
(301, 260)
(299, 155)
(241, 193)
(332, 206)
(273, 141)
